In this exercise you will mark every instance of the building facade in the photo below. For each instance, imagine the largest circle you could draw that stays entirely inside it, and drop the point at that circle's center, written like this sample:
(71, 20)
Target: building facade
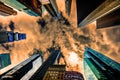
(5, 10)
(99, 67)
(4, 60)
(68, 6)
(10, 36)
(6, 36)
(33, 5)
(24, 69)
(55, 72)
(51, 7)
(20, 7)
(110, 20)
(103, 7)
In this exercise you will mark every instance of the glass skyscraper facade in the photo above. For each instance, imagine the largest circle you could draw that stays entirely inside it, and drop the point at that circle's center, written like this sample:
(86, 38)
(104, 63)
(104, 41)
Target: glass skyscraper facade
(4, 60)
(99, 67)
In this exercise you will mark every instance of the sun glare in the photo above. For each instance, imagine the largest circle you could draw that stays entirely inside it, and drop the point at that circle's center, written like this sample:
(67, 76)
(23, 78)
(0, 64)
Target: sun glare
(73, 58)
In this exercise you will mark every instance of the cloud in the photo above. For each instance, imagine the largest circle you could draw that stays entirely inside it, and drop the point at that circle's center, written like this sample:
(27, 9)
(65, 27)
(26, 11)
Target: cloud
(41, 32)
(114, 34)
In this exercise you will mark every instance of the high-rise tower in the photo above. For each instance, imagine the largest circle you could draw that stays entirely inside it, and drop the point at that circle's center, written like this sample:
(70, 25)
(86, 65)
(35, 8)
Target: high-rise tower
(99, 67)
(55, 72)
(4, 60)
(110, 20)
(34, 5)
(24, 69)
(5, 10)
(17, 5)
(51, 7)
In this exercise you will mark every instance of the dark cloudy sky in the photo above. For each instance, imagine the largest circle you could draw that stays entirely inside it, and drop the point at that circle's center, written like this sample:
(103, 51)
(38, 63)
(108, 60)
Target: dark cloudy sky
(72, 40)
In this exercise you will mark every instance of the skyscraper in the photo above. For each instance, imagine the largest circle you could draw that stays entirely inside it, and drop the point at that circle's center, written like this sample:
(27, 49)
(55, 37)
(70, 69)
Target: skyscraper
(44, 67)
(100, 67)
(10, 36)
(51, 7)
(78, 10)
(24, 69)
(68, 6)
(5, 10)
(33, 5)
(110, 20)
(17, 5)
(55, 72)
(4, 60)
(35, 69)
(6, 36)
(96, 9)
